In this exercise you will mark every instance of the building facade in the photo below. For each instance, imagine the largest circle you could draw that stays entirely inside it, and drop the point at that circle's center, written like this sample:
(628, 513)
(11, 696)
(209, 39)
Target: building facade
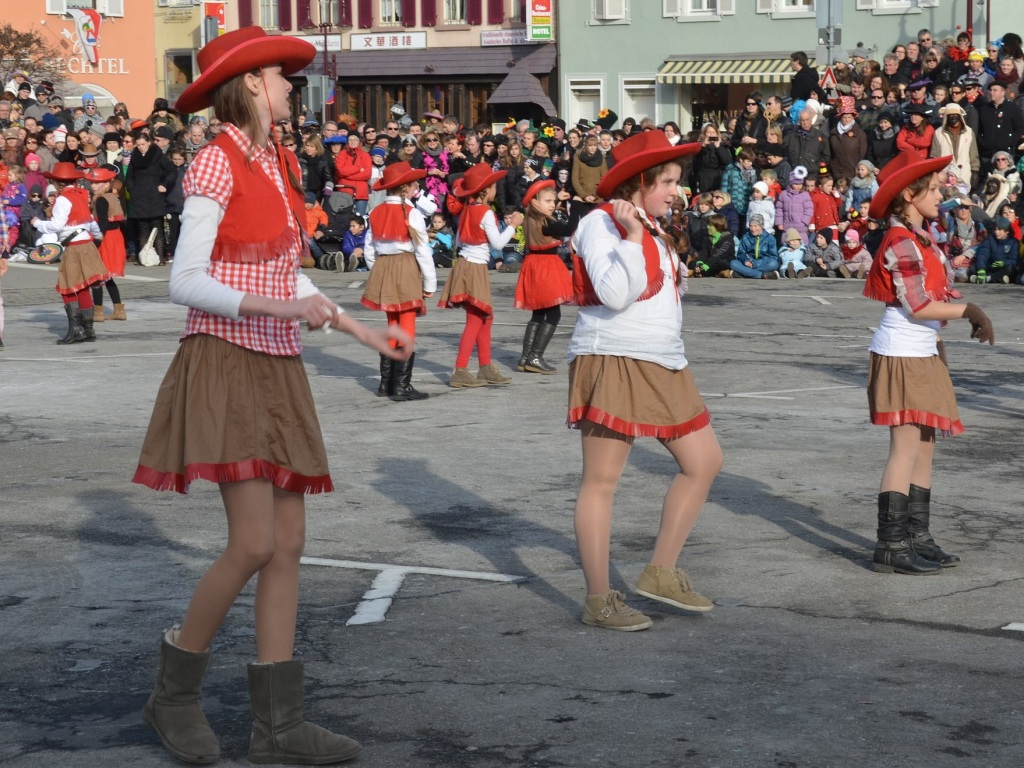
(694, 60)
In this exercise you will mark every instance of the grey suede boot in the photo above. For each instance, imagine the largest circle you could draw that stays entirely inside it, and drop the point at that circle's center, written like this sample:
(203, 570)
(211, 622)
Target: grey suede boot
(174, 712)
(279, 732)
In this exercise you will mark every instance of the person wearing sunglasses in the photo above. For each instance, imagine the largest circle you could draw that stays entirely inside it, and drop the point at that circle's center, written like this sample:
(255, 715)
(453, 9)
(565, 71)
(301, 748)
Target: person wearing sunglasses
(751, 126)
(435, 162)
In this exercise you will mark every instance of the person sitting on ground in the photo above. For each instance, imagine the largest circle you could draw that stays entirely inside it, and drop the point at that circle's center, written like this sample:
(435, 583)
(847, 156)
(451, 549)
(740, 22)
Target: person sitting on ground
(757, 255)
(826, 257)
(352, 244)
(856, 256)
(316, 223)
(791, 255)
(761, 205)
(995, 260)
(722, 245)
(722, 201)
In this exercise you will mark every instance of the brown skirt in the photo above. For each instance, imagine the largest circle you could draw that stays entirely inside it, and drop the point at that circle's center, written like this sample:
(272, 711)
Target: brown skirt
(80, 267)
(395, 285)
(912, 390)
(225, 414)
(468, 284)
(634, 397)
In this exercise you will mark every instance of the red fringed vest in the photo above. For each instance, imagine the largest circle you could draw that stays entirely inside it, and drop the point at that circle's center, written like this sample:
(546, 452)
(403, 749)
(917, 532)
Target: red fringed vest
(471, 231)
(255, 226)
(79, 199)
(389, 221)
(583, 290)
(880, 285)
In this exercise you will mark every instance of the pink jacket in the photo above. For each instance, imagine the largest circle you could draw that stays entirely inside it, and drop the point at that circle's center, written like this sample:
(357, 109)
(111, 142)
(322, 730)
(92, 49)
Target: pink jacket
(794, 209)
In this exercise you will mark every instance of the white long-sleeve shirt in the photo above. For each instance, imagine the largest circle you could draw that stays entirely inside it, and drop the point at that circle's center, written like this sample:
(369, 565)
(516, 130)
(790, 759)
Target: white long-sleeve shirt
(481, 254)
(58, 224)
(422, 251)
(191, 284)
(649, 330)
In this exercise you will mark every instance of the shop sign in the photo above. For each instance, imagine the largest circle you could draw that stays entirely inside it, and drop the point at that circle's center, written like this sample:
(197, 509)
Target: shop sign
(539, 28)
(503, 37)
(79, 66)
(388, 41)
(317, 41)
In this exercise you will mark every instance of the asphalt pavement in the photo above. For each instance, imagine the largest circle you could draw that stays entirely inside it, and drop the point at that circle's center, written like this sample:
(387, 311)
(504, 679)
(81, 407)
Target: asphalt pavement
(439, 617)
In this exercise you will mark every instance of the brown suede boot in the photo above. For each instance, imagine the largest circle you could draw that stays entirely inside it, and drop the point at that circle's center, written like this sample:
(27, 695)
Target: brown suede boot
(119, 313)
(174, 712)
(279, 732)
(97, 313)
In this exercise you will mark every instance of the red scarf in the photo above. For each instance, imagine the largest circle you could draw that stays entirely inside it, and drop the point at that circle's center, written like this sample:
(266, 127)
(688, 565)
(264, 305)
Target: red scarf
(583, 289)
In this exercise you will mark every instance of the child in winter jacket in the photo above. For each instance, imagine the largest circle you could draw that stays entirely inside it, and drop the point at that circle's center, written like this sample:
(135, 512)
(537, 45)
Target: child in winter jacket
(826, 257)
(757, 255)
(995, 260)
(34, 208)
(826, 204)
(794, 209)
(316, 223)
(761, 205)
(722, 248)
(791, 255)
(442, 240)
(353, 242)
(855, 255)
(738, 180)
(863, 186)
(14, 196)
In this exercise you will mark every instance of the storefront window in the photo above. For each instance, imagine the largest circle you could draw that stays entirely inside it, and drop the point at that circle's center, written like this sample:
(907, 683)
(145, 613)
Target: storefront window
(178, 73)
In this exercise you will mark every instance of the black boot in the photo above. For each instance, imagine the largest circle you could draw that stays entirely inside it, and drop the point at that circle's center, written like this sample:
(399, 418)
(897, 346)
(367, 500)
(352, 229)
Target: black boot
(529, 338)
(893, 553)
(75, 333)
(536, 362)
(920, 538)
(86, 320)
(403, 381)
(387, 376)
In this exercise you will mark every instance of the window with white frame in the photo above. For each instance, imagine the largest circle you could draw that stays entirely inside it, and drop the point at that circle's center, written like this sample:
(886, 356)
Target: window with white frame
(584, 98)
(268, 14)
(786, 8)
(882, 7)
(609, 11)
(105, 7)
(326, 12)
(454, 11)
(518, 11)
(705, 10)
(390, 13)
(638, 97)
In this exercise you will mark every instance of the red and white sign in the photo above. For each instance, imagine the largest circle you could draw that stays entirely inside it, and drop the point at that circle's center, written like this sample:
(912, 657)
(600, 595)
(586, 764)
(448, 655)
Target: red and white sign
(87, 26)
(828, 80)
(216, 11)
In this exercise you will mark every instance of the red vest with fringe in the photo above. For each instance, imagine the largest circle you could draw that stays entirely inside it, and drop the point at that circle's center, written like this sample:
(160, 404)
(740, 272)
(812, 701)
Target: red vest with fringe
(255, 226)
(471, 231)
(583, 289)
(880, 285)
(390, 221)
(80, 210)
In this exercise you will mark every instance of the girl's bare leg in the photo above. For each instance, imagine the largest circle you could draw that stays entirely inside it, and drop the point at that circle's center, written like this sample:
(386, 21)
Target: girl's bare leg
(604, 457)
(700, 460)
(922, 474)
(277, 586)
(906, 443)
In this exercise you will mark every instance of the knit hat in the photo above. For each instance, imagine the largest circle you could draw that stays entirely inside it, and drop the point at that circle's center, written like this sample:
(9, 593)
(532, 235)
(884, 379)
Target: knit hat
(852, 236)
(886, 114)
(797, 175)
(860, 52)
(36, 189)
(758, 219)
(378, 152)
(60, 133)
(311, 197)
(761, 187)
(869, 165)
(163, 132)
(26, 86)
(976, 55)
(87, 99)
(49, 121)
(1002, 223)
(791, 235)
(826, 233)
(30, 156)
(111, 136)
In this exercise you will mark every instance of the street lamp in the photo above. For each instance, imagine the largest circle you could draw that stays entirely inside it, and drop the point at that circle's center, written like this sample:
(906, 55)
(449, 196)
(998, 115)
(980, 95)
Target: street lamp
(325, 27)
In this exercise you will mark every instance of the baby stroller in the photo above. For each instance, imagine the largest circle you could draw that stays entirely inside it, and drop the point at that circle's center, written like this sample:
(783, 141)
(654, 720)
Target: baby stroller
(339, 208)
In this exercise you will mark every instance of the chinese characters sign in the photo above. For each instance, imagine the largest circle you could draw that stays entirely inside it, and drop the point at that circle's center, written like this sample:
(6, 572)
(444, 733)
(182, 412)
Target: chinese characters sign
(388, 40)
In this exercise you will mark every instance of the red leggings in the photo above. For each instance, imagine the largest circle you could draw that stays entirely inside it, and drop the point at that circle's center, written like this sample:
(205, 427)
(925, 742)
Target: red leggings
(477, 332)
(83, 297)
(406, 321)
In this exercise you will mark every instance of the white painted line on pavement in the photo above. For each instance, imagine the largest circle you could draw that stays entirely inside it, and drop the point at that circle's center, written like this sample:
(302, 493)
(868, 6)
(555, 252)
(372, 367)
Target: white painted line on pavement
(791, 391)
(1015, 626)
(378, 598)
(88, 359)
(48, 268)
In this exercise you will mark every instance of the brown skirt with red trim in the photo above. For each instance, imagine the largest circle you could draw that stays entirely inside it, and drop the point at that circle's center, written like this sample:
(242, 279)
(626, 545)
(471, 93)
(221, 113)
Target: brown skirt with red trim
(912, 390)
(468, 285)
(544, 281)
(80, 267)
(225, 413)
(395, 285)
(634, 397)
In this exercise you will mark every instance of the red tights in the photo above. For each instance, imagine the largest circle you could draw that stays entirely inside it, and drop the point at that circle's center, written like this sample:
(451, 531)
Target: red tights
(406, 321)
(83, 297)
(477, 332)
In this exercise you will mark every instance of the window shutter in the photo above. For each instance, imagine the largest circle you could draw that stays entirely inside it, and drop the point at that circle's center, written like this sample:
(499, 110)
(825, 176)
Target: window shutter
(409, 13)
(670, 8)
(428, 12)
(284, 14)
(609, 10)
(244, 13)
(765, 6)
(495, 11)
(474, 12)
(365, 14)
(306, 14)
(344, 12)
(726, 7)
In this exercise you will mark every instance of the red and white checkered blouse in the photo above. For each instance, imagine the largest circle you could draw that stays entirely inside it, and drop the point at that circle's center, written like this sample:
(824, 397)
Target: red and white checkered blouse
(209, 175)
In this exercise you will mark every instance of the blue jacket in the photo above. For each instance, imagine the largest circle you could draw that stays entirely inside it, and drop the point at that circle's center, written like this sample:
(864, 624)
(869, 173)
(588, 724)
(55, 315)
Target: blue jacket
(992, 250)
(753, 248)
(350, 242)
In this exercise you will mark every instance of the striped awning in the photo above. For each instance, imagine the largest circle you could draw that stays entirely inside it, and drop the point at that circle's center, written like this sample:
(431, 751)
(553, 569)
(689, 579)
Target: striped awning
(769, 70)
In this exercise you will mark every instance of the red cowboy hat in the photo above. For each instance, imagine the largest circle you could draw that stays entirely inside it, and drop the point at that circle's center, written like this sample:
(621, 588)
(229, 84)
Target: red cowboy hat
(477, 178)
(535, 187)
(899, 173)
(64, 172)
(99, 175)
(638, 153)
(239, 52)
(397, 174)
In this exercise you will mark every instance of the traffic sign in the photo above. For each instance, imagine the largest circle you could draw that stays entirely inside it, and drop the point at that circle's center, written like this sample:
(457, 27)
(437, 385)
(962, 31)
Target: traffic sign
(828, 80)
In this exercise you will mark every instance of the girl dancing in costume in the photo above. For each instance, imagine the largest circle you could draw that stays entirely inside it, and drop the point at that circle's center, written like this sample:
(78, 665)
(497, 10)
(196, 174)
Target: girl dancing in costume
(629, 377)
(544, 282)
(106, 209)
(468, 285)
(235, 406)
(909, 389)
(80, 265)
(404, 275)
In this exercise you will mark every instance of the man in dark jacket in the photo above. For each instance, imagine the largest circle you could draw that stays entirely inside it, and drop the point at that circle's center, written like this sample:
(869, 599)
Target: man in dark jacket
(150, 176)
(807, 145)
(1000, 126)
(805, 78)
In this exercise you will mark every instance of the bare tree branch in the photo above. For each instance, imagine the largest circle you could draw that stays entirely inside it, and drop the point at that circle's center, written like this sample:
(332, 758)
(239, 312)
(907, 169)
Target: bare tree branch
(34, 51)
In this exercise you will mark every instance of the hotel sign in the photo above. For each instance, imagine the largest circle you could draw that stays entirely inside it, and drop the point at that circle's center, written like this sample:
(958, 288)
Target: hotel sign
(539, 26)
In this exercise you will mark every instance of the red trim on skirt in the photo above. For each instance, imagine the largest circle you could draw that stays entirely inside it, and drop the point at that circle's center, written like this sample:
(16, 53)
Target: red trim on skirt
(94, 280)
(466, 298)
(250, 469)
(947, 426)
(589, 413)
(418, 304)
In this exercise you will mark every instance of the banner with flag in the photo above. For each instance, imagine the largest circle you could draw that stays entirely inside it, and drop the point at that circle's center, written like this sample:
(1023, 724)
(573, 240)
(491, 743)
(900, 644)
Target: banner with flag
(87, 25)
(330, 92)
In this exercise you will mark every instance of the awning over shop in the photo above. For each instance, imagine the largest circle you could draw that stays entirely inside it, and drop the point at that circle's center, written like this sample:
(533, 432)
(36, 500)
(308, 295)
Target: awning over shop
(763, 68)
(520, 87)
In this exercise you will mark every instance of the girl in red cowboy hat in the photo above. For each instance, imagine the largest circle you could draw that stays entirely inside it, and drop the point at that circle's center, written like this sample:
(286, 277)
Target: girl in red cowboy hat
(629, 377)
(235, 406)
(468, 285)
(544, 282)
(109, 216)
(909, 389)
(402, 274)
(81, 266)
